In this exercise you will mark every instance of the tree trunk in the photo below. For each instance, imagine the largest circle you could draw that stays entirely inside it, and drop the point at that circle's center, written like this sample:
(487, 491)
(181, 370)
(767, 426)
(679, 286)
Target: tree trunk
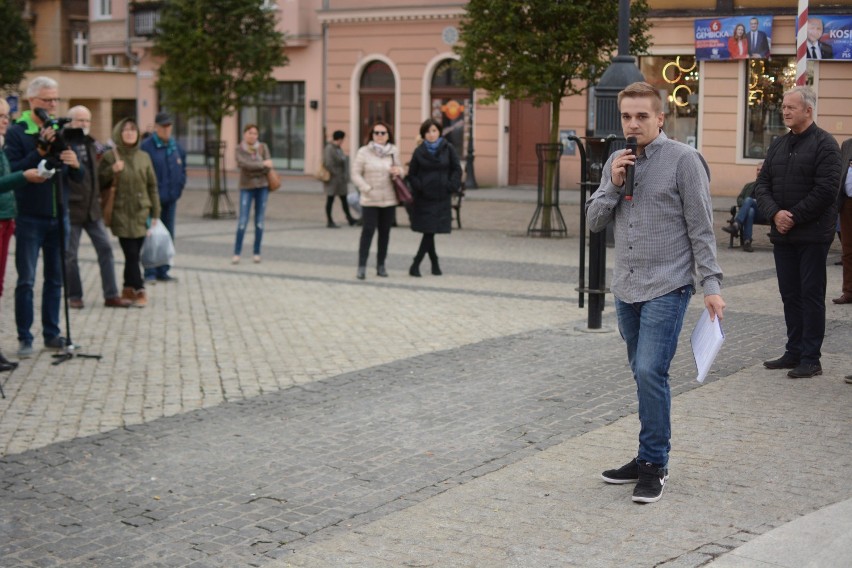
(216, 190)
(550, 172)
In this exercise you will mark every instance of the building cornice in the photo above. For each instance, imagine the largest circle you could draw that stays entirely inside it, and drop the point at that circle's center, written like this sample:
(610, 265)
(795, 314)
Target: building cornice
(392, 14)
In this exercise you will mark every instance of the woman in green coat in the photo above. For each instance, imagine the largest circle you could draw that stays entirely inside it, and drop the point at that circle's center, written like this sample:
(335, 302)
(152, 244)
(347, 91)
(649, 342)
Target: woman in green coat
(9, 181)
(136, 202)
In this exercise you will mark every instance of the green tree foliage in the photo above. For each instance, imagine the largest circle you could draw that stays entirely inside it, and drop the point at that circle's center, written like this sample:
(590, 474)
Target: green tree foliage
(217, 55)
(18, 46)
(543, 50)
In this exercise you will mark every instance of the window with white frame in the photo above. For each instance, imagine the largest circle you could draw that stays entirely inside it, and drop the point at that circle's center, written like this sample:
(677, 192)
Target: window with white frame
(80, 49)
(103, 8)
(110, 61)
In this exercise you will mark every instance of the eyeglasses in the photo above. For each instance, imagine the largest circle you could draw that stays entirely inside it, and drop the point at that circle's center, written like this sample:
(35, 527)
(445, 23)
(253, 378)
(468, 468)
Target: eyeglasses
(380, 133)
(5, 117)
(48, 101)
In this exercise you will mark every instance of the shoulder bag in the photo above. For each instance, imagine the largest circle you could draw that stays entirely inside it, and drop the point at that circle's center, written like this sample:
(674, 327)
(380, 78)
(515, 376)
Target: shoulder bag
(403, 193)
(272, 178)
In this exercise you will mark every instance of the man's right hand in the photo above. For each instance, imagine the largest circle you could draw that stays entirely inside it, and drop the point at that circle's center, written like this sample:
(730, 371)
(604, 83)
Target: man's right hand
(783, 221)
(619, 167)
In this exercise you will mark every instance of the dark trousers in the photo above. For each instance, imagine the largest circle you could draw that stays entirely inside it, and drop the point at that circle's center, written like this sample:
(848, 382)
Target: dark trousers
(132, 265)
(329, 201)
(801, 281)
(374, 218)
(846, 244)
(427, 246)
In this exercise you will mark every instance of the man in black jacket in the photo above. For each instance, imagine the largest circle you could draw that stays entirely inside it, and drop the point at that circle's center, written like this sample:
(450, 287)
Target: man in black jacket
(797, 190)
(84, 211)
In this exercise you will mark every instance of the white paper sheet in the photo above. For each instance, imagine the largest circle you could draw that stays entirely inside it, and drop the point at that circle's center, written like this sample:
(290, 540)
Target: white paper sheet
(706, 340)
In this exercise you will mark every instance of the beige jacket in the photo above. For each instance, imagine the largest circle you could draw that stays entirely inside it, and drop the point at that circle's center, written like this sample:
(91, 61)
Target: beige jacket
(371, 175)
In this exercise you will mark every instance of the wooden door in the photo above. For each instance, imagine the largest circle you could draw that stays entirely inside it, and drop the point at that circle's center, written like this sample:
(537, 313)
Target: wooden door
(375, 107)
(528, 126)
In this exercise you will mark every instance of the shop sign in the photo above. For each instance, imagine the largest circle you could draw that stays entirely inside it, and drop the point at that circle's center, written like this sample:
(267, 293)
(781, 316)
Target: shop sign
(831, 35)
(740, 37)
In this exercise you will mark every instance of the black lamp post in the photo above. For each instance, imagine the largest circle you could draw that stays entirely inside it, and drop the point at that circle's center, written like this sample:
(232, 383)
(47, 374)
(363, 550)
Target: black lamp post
(470, 175)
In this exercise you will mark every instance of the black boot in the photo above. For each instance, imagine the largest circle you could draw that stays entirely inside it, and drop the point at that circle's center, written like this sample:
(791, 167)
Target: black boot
(436, 269)
(415, 268)
(733, 228)
(380, 271)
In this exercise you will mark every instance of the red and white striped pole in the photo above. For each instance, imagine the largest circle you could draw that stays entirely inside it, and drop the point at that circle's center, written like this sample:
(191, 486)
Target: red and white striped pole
(801, 44)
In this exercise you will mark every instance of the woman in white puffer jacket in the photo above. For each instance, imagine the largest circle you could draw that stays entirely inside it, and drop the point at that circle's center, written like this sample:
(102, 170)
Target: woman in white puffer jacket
(375, 162)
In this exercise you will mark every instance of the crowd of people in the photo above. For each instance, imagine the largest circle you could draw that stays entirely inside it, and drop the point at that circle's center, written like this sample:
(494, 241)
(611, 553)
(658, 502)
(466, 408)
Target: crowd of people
(53, 189)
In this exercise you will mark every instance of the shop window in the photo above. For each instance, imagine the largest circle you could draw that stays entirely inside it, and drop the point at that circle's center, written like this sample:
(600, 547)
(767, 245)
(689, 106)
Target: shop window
(280, 117)
(767, 81)
(677, 79)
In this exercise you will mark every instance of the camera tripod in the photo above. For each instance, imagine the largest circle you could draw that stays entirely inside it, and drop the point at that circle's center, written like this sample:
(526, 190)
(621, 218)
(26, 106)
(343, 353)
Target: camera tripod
(69, 350)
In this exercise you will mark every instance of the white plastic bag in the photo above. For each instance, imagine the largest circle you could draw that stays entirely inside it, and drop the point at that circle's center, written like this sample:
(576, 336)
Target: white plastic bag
(158, 248)
(354, 200)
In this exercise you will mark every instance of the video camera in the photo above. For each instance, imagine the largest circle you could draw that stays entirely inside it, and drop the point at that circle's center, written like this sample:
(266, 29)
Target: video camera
(64, 137)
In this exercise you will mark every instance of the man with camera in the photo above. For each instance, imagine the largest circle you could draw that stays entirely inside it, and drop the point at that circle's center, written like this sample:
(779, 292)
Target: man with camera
(29, 141)
(84, 213)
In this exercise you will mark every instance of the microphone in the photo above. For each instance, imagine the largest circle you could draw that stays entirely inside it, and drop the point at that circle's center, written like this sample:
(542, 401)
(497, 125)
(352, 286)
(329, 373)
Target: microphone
(630, 170)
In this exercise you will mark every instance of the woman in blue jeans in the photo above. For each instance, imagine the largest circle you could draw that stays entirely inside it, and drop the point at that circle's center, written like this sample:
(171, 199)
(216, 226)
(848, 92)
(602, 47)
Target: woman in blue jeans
(254, 161)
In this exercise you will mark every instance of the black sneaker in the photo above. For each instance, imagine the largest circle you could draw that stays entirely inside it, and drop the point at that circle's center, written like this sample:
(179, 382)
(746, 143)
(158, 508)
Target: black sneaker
(652, 480)
(57, 342)
(628, 473)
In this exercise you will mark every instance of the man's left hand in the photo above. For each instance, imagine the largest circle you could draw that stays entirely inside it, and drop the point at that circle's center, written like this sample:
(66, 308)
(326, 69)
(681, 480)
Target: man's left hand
(69, 158)
(715, 305)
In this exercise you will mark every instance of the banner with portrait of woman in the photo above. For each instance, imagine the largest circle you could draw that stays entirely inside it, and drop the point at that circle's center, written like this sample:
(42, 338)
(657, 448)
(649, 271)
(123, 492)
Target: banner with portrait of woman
(740, 37)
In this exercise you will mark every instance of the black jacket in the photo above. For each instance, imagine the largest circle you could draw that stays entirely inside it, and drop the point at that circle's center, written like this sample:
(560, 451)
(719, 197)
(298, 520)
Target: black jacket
(433, 179)
(801, 174)
(84, 203)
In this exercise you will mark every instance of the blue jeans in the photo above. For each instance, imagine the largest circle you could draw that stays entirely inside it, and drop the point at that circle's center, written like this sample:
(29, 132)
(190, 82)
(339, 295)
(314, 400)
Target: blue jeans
(168, 212)
(259, 196)
(800, 270)
(31, 235)
(747, 216)
(651, 330)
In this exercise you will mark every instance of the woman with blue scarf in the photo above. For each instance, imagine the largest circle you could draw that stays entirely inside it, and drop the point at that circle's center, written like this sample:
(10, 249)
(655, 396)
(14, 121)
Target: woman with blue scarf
(434, 174)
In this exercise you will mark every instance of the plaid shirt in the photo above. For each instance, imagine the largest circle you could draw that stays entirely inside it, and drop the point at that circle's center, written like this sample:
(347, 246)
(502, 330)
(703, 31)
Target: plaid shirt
(666, 232)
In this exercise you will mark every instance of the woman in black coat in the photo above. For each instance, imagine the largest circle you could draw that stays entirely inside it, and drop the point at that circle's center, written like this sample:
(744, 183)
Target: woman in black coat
(434, 173)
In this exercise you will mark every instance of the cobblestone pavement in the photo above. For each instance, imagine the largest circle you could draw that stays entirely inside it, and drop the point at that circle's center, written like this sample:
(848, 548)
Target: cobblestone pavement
(285, 414)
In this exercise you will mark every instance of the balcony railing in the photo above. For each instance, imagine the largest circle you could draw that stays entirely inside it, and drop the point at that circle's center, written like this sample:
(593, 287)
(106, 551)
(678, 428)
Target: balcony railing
(146, 17)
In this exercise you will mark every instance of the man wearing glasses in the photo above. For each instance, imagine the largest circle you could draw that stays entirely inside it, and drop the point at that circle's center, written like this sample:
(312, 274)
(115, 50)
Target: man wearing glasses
(39, 223)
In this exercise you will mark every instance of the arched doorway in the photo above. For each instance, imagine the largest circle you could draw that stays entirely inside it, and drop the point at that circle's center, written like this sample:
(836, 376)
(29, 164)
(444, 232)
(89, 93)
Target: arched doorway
(376, 97)
(450, 101)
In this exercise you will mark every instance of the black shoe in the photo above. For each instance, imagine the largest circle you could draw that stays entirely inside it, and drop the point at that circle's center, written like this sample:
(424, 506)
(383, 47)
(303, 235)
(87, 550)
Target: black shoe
(786, 361)
(166, 278)
(4, 361)
(733, 228)
(628, 473)
(805, 371)
(747, 246)
(436, 270)
(652, 481)
(352, 221)
(362, 272)
(7, 367)
(332, 225)
(380, 271)
(415, 269)
(57, 342)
